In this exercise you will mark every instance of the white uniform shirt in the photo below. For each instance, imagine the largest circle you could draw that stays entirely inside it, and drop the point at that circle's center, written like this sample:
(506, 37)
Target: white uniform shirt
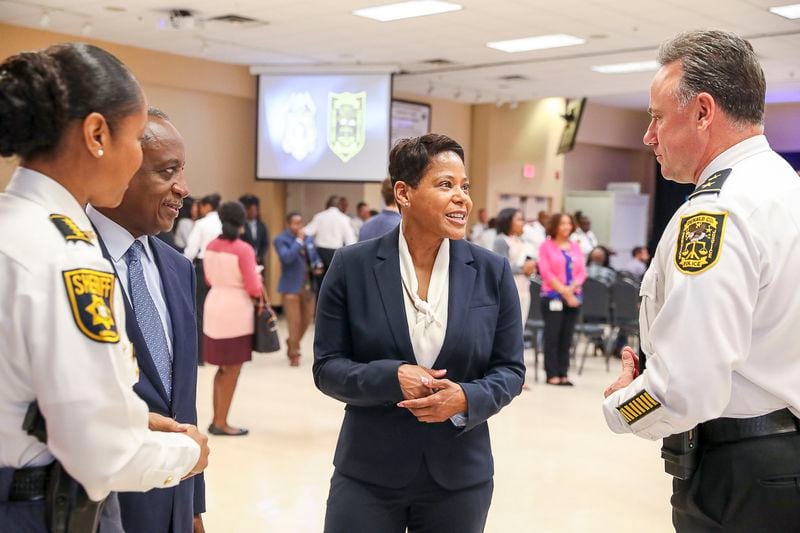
(587, 240)
(534, 234)
(722, 341)
(331, 229)
(117, 241)
(96, 425)
(203, 232)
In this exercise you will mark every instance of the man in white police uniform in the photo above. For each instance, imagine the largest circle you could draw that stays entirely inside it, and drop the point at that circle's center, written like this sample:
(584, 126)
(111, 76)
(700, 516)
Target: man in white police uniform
(719, 312)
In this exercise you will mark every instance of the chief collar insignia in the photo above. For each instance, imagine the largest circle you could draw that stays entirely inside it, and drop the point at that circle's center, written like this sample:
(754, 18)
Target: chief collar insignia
(713, 184)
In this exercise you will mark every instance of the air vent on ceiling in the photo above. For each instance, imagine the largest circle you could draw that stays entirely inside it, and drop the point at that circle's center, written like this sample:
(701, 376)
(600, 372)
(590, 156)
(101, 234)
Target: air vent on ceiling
(514, 77)
(238, 20)
(437, 61)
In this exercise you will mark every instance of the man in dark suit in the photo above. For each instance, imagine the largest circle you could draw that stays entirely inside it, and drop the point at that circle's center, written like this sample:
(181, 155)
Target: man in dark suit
(159, 285)
(255, 231)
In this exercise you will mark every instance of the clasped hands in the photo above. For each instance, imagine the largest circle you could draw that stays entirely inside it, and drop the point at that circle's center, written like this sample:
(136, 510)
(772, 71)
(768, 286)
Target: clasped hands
(428, 396)
(569, 296)
(157, 422)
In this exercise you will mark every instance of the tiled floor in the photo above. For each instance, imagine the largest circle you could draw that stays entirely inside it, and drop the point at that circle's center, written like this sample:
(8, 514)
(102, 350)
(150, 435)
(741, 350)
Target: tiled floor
(558, 468)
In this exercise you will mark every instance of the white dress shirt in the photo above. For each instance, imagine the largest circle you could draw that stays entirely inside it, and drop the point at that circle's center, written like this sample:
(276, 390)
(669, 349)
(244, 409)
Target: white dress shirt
(722, 341)
(96, 424)
(331, 229)
(183, 227)
(427, 319)
(534, 234)
(204, 231)
(587, 240)
(117, 241)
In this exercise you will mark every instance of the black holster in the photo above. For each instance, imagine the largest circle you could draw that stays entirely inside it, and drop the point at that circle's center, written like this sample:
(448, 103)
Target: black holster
(69, 509)
(680, 454)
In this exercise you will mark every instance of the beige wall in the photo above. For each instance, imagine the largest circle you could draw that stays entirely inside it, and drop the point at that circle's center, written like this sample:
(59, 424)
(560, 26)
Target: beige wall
(212, 104)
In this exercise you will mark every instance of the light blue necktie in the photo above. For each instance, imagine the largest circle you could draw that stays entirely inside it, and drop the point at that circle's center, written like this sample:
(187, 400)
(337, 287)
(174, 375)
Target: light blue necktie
(147, 316)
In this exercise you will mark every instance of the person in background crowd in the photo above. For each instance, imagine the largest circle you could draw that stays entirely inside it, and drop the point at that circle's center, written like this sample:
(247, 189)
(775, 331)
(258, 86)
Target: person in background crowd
(362, 215)
(509, 244)
(331, 230)
(583, 234)
(719, 309)
(598, 266)
(481, 225)
(387, 220)
(487, 237)
(256, 233)
(637, 264)
(414, 450)
(300, 266)
(232, 275)
(535, 233)
(158, 282)
(184, 224)
(561, 266)
(205, 230)
(74, 115)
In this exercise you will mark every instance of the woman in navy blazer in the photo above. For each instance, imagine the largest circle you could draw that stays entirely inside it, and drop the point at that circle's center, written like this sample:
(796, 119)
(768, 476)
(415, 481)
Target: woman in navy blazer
(300, 265)
(395, 316)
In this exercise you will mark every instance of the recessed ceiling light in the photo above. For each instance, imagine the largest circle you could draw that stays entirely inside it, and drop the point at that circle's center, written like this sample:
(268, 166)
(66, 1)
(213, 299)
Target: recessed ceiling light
(627, 68)
(115, 9)
(789, 11)
(405, 10)
(540, 42)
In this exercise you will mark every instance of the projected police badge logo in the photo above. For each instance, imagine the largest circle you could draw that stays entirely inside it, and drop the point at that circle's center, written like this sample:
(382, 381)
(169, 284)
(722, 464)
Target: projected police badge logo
(346, 123)
(299, 131)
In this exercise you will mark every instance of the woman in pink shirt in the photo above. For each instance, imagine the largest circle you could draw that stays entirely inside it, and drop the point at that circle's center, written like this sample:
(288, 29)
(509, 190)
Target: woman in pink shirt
(228, 322)
(562, 268)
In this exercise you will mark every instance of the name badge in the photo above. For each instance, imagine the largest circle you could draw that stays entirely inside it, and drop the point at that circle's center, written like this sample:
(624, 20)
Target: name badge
(556, 305)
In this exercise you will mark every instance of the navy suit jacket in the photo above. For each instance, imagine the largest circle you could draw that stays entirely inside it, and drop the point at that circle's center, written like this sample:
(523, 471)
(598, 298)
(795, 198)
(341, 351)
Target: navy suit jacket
(259, 241)
(362, 338)
(293, 264)
(154, 511)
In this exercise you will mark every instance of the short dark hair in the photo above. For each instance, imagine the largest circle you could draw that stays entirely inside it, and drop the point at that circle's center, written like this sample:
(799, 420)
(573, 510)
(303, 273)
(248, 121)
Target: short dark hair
(723, 65)
(248, 200)
(186, 209)
(504, 220)
(637, 249)
(554, 221)
(232, 216)
(41, 92)
(154, 112)
(332, 201)
(387, 192)
(410, 157)
(211, 199)
(291, 215)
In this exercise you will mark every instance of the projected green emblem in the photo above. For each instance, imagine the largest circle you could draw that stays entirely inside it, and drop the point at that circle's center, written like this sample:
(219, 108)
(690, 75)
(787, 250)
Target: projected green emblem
(346, 128)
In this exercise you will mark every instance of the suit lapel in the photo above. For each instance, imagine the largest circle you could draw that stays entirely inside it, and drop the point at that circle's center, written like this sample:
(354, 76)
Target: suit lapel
(390, 286)
(143, 357)
(179, 307)
(462, 281)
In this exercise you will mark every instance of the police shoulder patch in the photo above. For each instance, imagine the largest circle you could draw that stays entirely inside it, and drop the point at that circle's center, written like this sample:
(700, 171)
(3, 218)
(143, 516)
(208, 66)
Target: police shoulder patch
(699, 241)
(91, 298)
(69, 229)
(637, 407)
(713, 184)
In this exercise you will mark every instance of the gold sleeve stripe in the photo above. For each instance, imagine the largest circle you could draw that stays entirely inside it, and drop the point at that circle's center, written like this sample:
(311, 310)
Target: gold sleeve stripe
(638, 407)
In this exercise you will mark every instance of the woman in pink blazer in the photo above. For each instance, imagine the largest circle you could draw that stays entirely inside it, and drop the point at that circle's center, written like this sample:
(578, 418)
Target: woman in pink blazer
(230, 270)
(563, 271)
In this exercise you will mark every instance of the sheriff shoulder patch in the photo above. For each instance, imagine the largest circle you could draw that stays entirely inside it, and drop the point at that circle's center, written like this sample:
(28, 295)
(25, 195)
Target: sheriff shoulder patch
(637, 407)
(699, 241)
(69, 229)
(713, 184)
(91, 298)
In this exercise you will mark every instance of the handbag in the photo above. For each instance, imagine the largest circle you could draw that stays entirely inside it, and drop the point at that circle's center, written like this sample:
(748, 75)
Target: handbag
(265, 334)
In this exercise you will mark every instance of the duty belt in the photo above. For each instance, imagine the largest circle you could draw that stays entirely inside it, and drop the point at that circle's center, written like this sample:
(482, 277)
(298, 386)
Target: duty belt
(29, 484)
(729, 430)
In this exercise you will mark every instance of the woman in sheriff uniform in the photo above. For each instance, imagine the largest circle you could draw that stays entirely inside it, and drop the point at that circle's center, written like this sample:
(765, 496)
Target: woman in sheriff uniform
(73, 115)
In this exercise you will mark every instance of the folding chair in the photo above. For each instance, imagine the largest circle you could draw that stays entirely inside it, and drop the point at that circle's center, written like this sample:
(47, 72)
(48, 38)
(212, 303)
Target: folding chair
(534, 325)
(594, 322)
(625, 313)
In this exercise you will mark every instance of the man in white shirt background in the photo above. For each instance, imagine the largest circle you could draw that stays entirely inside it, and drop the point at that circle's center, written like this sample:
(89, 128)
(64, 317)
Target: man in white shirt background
(331, 230)
(535, 233)
(207, 228)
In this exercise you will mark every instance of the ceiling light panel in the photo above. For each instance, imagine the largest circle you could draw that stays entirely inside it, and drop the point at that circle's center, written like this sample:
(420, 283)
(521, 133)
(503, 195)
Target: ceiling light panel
(627, 68)
(790, 11)
(541, 42)
(405, 10)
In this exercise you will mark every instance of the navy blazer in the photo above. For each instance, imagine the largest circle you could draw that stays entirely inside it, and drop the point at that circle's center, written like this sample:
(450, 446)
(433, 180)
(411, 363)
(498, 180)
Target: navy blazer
(293, 264)
(259, 241)
(362, 338)
(154, 511)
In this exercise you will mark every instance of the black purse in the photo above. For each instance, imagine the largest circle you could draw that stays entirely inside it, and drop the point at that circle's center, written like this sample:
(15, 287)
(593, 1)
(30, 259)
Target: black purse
(265, 335)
